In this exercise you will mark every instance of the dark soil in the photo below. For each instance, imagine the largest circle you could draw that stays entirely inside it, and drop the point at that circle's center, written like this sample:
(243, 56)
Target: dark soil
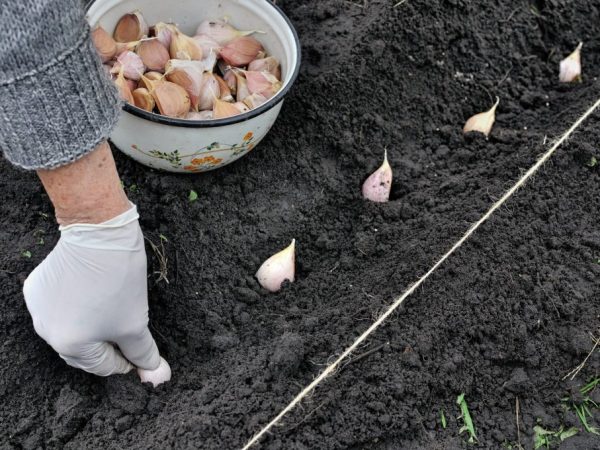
(505, 318)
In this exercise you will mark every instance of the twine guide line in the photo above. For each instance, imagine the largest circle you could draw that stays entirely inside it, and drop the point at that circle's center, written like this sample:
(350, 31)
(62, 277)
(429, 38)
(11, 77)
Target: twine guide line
(332, 367)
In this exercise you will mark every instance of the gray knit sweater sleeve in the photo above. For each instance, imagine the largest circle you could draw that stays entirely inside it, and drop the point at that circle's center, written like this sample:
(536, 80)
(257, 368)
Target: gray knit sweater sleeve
(56, 101)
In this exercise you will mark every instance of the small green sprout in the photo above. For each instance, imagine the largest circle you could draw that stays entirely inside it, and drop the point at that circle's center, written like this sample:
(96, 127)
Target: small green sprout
(163, 237)
(466, 417)
(26, 254)
(443, 419)
(193, 196)
(546, 438)
(592, 162)
(584, 407)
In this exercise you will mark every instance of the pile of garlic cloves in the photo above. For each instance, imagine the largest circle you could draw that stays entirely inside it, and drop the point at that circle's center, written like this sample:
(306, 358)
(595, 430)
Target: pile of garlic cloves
(220, 72)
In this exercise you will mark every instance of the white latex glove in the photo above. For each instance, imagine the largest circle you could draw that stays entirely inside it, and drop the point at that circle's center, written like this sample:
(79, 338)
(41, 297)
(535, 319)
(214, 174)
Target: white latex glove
(90, 294)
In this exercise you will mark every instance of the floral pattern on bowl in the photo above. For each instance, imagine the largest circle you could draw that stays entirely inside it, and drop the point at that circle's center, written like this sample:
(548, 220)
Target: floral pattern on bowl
(202, 159)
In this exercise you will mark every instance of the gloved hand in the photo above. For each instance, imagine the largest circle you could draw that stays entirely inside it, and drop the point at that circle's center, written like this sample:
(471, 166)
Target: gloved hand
(90, 294)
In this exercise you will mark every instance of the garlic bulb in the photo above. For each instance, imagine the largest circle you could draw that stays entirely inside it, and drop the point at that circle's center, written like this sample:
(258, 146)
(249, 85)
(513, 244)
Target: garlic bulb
(153, 54)
(278, 268)
(133, 67)
(184, 47)
(241, 51)
(142, 99)
(224, 90)
(220, 31)
(131, 27)
(209, 91)
(570, 67)
(379, 184)
(157, 376)
(223, 109)
(171, 99)
(268, 64)
(104, 43)
(482, 122)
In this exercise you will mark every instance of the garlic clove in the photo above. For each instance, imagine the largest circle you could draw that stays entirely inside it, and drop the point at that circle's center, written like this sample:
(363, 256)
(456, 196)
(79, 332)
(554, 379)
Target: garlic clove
(199, 115)
(184, 47)
(268, 64)
(123, 88)
(157, 376)
(379, 184)
(171, 99)
(222, 109)
(221, 32)
(209, 91)
(272, 90)
(241, 84)
(125, 46)
(104, 43)
(278, 268)
(142, 99)
(149, 78)
(224, 89)
(133, 67)
(131, 84)
(209, 61)
(242, 107)
(259, 81)
(255, 100)
(163, 32)
(482, 122)
(153, 54)
(131, 27)
(231, 80)
(188, 75)
(570, 67)
(207, 44)
(241, 51)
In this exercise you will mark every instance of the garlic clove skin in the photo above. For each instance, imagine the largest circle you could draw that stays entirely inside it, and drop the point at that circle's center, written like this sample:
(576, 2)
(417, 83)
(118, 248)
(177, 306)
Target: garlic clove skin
(570, 67)
(209, 91)
(123, 88)
(184, 47)
(224, 89)
(209, 61)
(221, 32)
(207, 44)
(171, 99)
(188, 75)
(268, 64)
(142, 99)
(482, 122)
(164, 32)
(241, 84)
(199, 115)
(379, 184)
(255, 100)
(160, 375)
(131, 27)
(231, 80)
(222, 109)
(278, 268)
(153, 54)
(149, 78)
(104, 43)
(242, 107)
(259, 81)
(133, 67)
(125, 46)
(241, 51)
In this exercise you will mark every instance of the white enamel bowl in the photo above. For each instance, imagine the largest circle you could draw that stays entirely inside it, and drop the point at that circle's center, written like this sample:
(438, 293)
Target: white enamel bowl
(191, 146)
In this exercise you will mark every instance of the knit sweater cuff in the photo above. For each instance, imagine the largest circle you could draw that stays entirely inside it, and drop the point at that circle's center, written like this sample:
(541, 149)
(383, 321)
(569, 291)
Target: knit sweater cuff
(57, 113)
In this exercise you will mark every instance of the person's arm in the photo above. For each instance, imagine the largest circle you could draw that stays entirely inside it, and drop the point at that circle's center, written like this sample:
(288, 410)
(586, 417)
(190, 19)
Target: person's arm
(57, 107)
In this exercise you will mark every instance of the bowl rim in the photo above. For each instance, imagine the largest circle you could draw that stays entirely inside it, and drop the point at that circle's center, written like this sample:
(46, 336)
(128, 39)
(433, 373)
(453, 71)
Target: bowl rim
(272, 102)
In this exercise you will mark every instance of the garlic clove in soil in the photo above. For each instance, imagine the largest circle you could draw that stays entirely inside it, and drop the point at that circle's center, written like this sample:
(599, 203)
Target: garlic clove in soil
(268, 64)
(157, 376)
(220, 31)
(482, 122)
(241, 51)
(184, 47)
(171, 99)
(132, 64)
(278, 268)
(104, 43)
(222, 109)
(131, 27)
(153, 54)
(142, 99)
(224, 89)
(570, 67)
(379, 184)
(209, 91)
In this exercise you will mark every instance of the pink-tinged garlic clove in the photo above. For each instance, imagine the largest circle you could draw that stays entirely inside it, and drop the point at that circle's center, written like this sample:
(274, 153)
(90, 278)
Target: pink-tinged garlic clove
(278, 268)
(123, 88)
(224, 90)
(255, 100)
(153, 54)
(171, 99)
(241, 51)
(207, 44)
(184, 47)
(268, 64)
(142, 99)
(222, 109)
(482, 122)
(209, 91)
(160, 375)
(164, 32)
(221, 32)
(131, 27)
(241, 91)
(379, 184)
(132, 64)
(259, 81)
(570, 67)
(104, 43)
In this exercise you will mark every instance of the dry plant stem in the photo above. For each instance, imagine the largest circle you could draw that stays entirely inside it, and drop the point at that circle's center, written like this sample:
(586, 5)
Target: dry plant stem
(573, 373)
(333, 366)
(518, 427)
(86, 191)
(163, 261)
